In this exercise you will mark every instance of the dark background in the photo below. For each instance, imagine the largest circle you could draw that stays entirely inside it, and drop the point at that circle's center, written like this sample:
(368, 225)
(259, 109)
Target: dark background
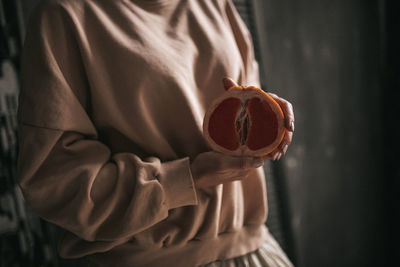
(334, 196)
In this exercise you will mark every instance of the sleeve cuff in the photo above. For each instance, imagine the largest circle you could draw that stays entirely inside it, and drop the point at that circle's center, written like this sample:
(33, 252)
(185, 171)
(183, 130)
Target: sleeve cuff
(178, 184)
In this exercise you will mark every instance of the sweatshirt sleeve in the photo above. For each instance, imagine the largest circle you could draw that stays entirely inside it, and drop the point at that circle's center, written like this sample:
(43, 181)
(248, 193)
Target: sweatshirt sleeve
(245, 44)
(66, 174)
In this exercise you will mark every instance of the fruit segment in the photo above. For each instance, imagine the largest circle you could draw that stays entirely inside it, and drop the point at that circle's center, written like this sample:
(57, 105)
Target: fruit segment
(222, 125)
(264, 125)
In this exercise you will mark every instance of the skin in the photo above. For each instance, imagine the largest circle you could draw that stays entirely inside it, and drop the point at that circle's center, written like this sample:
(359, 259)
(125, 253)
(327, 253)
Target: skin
(213, 168)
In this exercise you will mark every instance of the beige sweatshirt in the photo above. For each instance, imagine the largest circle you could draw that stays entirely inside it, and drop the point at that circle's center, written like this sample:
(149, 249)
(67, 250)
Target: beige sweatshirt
(111, 108)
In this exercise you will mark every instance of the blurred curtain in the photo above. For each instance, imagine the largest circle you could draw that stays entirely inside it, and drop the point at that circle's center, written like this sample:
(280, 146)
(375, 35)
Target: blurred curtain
(329, 59)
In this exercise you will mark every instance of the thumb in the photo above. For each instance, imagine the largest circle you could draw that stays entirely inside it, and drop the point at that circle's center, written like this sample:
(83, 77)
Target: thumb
(244, 162)
(228, 83)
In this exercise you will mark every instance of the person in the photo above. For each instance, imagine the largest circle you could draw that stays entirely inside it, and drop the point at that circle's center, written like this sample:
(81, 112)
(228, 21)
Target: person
(111, 146)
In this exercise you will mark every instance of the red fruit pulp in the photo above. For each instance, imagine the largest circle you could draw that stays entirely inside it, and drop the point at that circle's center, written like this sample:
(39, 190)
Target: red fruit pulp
(253, 124)
(222, 125)
(264, 125)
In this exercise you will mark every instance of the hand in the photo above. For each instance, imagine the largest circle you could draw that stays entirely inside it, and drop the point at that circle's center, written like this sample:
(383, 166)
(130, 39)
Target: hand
(287, 109)
(213, 168)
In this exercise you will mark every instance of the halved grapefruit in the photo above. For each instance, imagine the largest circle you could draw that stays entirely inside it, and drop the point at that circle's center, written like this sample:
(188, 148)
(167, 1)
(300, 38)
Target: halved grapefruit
(244, 121)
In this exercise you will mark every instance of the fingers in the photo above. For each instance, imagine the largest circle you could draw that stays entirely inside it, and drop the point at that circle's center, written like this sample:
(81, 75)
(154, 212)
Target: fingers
(214, 168)
(216, 161)
(282, 148)
(228, 83)
(274, 155)
(233, 175)
(287, 109)
(287, 140)
(241, 162)
(238, 176)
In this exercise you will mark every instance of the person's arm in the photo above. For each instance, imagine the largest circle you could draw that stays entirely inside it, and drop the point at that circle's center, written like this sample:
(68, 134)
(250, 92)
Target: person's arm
(66, 174)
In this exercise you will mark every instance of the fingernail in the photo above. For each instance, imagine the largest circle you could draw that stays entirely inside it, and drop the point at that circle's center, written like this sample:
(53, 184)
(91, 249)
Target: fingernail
(291, 127)
(227, 83)
(285, 149)
(279, 156)
(275, 156)
(257, 162)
